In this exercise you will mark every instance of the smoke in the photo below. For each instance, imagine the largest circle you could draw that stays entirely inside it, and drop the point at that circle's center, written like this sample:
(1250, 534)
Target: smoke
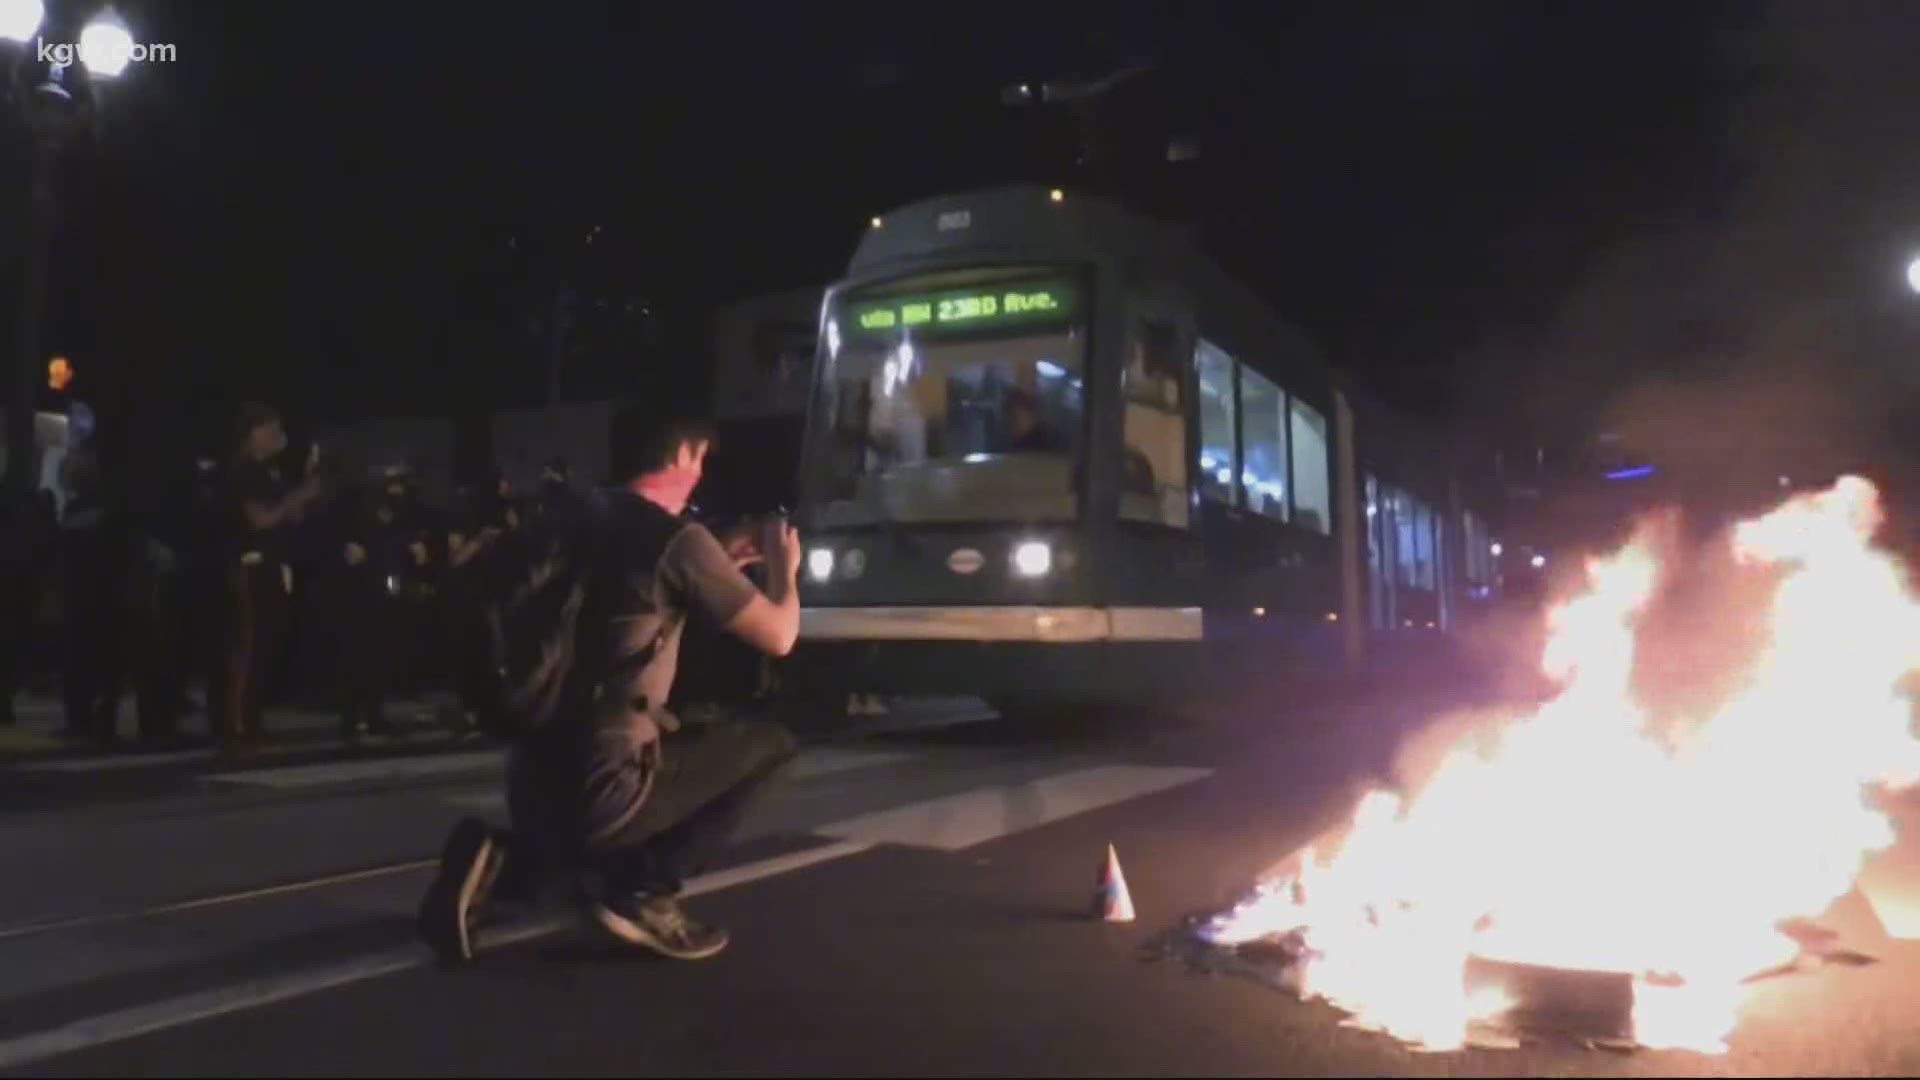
(1774, 321)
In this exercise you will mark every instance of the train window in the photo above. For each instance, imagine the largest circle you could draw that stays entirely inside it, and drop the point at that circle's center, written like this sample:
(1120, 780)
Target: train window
(1154, 482)
(1479, 553)
(1423, 535)
(1219, 434)
(1379, 577)
(1406, 547)
(1312, 485)
(954, 408)
(1263, 410)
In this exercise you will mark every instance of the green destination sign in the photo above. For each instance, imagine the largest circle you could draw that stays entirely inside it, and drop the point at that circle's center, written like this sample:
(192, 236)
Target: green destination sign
(985, 307)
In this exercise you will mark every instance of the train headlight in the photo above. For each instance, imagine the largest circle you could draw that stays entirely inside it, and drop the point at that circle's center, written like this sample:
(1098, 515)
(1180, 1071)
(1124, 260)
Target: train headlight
(820, 564)
(1033, 558)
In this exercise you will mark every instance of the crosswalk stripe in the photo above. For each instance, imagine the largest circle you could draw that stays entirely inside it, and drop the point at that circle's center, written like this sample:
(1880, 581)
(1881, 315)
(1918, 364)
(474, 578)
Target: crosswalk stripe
(343, 772)
(828, 761)
(191, 1008)
(974, 817)
(812, 764)
(115, 762)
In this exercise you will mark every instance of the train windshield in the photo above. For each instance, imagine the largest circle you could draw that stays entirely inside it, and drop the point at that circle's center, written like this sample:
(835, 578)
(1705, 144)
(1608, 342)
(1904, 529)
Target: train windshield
(953, 399)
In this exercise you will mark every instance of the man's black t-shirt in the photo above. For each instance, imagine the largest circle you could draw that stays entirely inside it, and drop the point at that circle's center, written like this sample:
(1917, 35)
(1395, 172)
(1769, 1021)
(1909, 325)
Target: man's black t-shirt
(653, 571)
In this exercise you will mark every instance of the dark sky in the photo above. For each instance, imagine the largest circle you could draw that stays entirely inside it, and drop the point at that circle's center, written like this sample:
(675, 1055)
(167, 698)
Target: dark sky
(1482, 207)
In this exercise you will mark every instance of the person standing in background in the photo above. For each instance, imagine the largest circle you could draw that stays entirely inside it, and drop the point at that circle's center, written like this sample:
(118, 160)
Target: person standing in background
(383, 555)
(483, 514)
(263, 505)
(95, 557)
(201, 582)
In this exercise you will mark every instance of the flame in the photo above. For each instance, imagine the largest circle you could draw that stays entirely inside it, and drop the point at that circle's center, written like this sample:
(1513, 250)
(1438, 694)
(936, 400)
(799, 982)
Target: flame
(1588, 837)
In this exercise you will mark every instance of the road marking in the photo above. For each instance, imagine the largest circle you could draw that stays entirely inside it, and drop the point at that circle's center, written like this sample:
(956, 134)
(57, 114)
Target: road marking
(974, 817)
(490, 801)
(342, 772)
(49, 926)
(115, 762)
(811, 765)
(828, 761)
(700, 886)
(123, 1024)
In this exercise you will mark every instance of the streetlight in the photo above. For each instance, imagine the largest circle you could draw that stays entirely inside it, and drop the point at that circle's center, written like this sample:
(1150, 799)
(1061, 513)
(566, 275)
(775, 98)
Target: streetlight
(53, 91)
(20, 19)
(1913, 274)
(107, 44)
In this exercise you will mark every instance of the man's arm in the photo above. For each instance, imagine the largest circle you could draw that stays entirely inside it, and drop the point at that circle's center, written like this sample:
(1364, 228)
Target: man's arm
(771, 623)
(263, 515)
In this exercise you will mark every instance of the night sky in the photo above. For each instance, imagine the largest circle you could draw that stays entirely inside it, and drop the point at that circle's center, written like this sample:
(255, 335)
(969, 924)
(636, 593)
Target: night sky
(1514, 215)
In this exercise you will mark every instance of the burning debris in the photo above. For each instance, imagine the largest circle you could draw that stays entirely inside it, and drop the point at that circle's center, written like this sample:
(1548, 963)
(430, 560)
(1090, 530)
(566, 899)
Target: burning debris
(1467, 912)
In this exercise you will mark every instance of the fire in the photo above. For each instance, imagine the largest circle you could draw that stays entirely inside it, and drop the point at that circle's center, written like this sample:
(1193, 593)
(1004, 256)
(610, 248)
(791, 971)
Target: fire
(1590, 837)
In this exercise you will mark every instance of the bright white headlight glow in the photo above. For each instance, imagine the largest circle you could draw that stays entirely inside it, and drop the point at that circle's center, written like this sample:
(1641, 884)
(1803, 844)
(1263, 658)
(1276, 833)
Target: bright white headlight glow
(820, 563)
(106, 45)
(1033, 558)
(20, 19)
(1539, 561)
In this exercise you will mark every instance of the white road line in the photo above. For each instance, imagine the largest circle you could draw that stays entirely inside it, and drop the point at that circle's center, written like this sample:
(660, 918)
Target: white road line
(975, 817)
(114, 763)
(700, 886)
(129, 1023)
(812, 764)
(341, 772)
(490, 801)
(263, 892)
(827, 761)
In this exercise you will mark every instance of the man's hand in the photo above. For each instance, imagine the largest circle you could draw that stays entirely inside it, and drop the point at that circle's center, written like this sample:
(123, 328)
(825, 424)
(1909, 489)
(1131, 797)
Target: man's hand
(743, 545)
(643, 729)
(783, 554)
(771, 623)
(303, 497)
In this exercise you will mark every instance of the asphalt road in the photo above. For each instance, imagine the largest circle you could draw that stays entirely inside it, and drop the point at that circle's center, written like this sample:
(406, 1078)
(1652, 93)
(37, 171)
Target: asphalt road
(906, 905)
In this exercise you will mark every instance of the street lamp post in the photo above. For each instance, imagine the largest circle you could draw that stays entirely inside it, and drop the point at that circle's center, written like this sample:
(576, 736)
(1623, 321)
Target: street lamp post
(54, 97)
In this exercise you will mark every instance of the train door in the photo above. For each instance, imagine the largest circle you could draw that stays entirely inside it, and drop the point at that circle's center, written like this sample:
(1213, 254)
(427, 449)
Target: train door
(1153, 557)
(1156, 426)
(1234, 494)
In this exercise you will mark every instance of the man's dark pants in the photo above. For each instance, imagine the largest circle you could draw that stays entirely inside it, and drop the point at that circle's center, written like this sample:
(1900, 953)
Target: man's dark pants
(586, 804)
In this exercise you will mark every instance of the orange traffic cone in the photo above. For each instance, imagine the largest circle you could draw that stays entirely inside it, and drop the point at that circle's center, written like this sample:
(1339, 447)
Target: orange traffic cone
(1113, 903)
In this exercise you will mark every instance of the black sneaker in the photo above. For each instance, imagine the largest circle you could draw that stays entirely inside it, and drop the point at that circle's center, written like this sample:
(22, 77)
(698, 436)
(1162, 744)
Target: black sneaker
(468, 865)
(657, 923)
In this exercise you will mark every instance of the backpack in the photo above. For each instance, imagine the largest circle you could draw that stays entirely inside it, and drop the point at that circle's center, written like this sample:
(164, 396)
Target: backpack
(531, 588)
